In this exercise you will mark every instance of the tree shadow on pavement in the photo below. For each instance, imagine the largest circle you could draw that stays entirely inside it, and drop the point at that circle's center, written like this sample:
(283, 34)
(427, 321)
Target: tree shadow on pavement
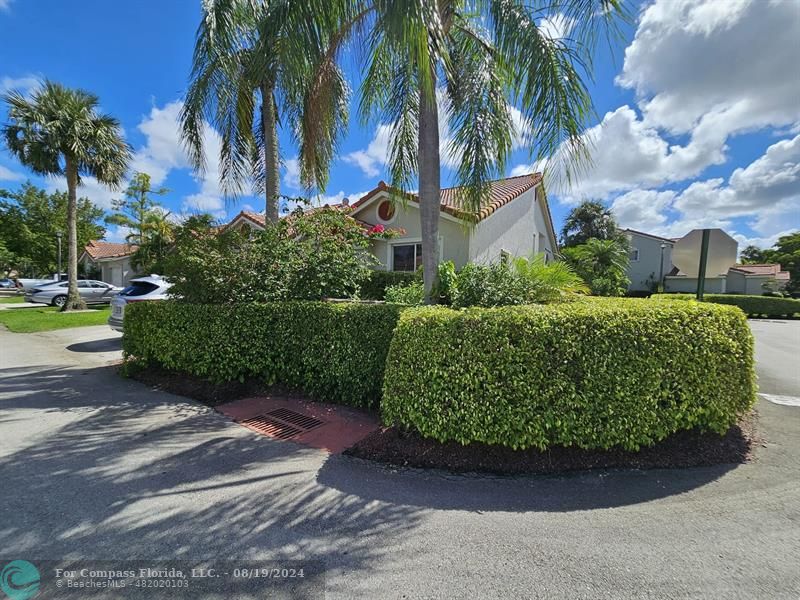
(573, 491)
(94, 466)
(107, 345)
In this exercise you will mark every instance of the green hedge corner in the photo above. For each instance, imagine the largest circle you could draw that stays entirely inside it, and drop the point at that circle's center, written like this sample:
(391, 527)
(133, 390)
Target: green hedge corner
(601, 374)
(754, 306)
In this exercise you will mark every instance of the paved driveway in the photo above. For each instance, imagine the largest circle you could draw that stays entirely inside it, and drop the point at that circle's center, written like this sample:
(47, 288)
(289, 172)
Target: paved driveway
(92, 466)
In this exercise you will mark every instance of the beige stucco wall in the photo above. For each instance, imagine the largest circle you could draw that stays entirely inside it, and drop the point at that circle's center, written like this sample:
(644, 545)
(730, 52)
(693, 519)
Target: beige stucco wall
(117, 271)
(739, 283)
(453, 237)
(519, 228)
(681, 284)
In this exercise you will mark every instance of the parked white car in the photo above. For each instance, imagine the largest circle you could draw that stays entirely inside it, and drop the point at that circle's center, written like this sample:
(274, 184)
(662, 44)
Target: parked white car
(152, 287)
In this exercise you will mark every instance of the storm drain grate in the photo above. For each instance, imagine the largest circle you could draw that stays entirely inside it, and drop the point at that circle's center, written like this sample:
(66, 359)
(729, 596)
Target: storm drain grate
(305, 422)
(271, 427)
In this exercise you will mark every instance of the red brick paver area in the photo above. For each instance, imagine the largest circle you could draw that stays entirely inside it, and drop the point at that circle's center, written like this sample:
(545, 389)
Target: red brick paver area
(325, 426)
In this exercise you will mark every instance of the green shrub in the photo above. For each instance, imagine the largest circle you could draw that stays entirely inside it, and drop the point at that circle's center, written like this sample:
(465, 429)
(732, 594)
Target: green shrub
(413, 293)
(755, 306)
(594, 374)
(374, 287)
(333, 351)
(305, 256)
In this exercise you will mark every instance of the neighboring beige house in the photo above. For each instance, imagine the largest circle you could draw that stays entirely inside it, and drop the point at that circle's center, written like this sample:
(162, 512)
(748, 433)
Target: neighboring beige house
(113, 260)
(514, 219)
(651, 263)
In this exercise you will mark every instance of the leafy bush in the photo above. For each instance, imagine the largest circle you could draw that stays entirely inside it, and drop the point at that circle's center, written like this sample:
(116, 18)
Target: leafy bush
(374, 287)
(602, 264)
(303, 257)
(756, 306)
(413, 293)
(523, 281)
(594, 374)
(334, 351)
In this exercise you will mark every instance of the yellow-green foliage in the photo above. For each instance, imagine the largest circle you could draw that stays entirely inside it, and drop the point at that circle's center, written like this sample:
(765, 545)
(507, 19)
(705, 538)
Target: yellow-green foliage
(333, 351)
(592, 374)
(756, 306)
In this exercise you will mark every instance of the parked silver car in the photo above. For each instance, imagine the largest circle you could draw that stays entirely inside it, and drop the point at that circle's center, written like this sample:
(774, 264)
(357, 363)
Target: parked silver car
(55, 294)
(152, 287)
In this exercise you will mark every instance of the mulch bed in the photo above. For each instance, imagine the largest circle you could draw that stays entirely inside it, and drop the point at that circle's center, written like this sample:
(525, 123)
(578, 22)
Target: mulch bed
(394, 446)
(197, 388)
(683, 449)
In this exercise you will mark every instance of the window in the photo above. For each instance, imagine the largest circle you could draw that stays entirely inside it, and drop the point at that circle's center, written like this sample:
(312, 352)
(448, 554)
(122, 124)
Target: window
(83, 284)
(138, 288)
(406, 257)
(634, 255)
(505, 257)
(386, 211)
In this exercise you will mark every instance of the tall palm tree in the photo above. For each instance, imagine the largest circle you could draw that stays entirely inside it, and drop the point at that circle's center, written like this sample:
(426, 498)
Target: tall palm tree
(586, 221)
(265, 56)
(58, 131)
(470, 60)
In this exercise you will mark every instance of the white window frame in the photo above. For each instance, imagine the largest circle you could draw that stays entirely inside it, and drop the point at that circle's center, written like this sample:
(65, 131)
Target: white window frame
(415, 243)
(635, 257)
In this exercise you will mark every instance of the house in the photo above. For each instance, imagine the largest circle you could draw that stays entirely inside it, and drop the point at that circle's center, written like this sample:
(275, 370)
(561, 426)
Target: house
(113, 260)
(756, 279)
(651, 263)
(514, 219)
(650, 259)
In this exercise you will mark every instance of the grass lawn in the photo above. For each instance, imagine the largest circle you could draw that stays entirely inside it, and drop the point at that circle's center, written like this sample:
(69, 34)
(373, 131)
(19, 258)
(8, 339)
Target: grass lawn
(11, 299)
(28, 320)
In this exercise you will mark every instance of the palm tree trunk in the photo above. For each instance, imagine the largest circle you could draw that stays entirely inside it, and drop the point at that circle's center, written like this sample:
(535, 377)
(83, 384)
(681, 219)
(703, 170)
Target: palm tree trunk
(269, 124)
(429, 187)
(74, 300)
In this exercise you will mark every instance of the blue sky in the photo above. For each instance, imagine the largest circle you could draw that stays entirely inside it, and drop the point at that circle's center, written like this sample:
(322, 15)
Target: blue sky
(698, 111)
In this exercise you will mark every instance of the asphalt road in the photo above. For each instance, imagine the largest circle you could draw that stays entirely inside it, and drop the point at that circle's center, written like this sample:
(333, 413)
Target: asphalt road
(96, 467)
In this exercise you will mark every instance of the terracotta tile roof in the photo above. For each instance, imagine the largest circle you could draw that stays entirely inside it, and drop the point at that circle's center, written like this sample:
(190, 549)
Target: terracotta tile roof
(762, 269)
(101, 249)
(501, 192)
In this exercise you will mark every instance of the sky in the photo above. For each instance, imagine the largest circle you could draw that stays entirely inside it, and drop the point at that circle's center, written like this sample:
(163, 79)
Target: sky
(697, 112)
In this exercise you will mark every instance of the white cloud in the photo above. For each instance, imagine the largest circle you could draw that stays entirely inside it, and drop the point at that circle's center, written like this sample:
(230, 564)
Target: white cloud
(22, 84)
(100, 195)
(767, 191)
(727, 61)
(291, 173)
(556, 27)
(7, 174)
(117, 233)
(4, 4)
(163, 150)
(372, 159)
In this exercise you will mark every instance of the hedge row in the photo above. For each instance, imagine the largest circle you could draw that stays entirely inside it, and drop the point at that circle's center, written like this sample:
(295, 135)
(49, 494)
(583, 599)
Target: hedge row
(769, 306)
(592, 374)
(333, 351)
(375, 287)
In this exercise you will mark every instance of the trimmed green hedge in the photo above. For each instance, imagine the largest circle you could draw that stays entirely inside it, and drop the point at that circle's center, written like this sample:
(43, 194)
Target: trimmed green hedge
(333, 351)
(769, 306)
(623, 373)
(375, 287)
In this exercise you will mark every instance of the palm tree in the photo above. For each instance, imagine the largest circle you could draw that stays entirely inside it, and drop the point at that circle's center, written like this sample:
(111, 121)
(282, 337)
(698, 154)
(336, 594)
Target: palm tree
(548, 282)
(603, 265)
(469, 60)
(58, 131)
(268, 56)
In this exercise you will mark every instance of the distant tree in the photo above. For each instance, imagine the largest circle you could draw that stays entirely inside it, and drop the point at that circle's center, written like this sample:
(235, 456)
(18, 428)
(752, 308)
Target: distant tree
(58, 132)
(29, 220)
(786, 252)
(752, 255)
(586, 221)
(602, 264)
(158, 238)
(137, 207)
